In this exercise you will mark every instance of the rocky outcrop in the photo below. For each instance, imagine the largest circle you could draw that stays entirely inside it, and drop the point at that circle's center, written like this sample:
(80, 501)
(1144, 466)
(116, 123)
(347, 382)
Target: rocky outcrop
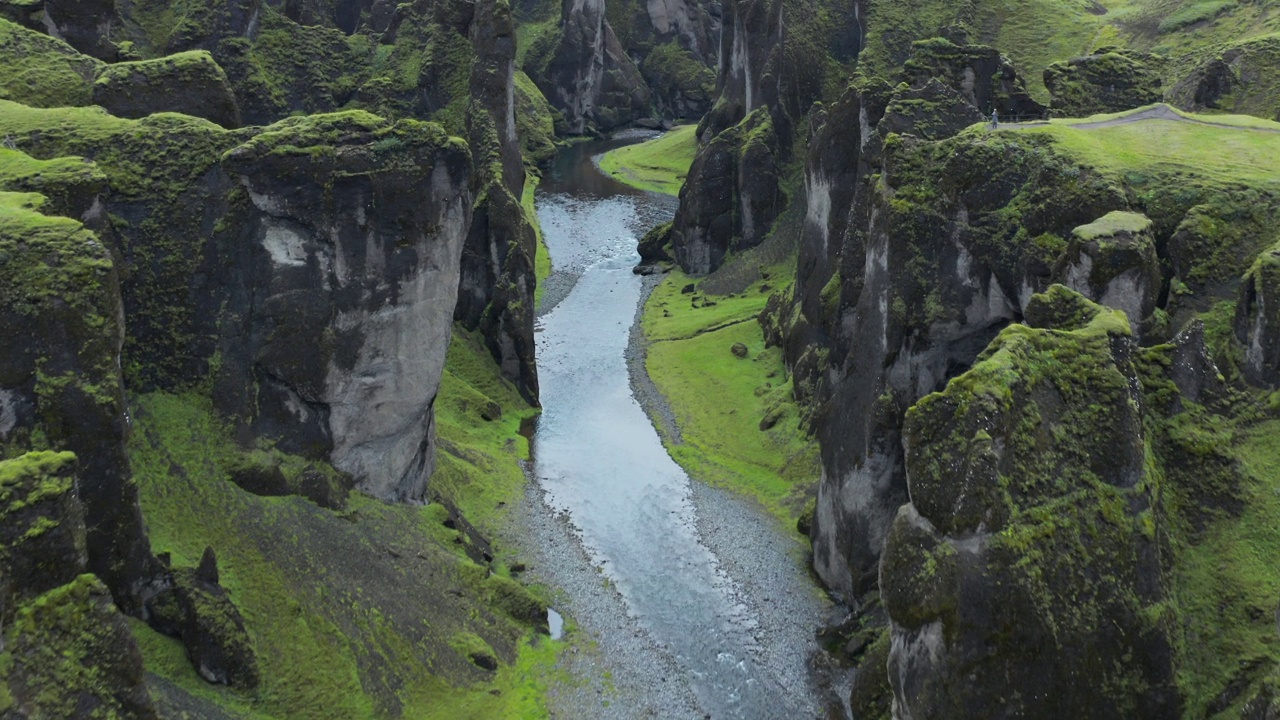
(1113, 261)
(923, 285)
(190, 83)
(1109, 80)
(764, 85)
(495, 293)
(980, 74)
(1032, 525)
(1242, 77)
(732, 195)
(588, 75)
(1257, 321)
(335, 340)
(60, 380)
(65, 646)
(325, 255)
(199, 611)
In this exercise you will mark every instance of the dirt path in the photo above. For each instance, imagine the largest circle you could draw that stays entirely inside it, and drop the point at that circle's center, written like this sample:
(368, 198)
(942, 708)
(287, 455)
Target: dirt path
(1159, 112)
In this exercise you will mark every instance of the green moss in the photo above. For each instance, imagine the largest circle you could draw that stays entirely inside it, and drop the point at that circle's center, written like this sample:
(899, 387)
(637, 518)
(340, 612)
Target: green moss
(1113, 223)
(535, 121)
(1226, 586)
(658, 165)
(1196, 12)
(69, 637)
(40, 71)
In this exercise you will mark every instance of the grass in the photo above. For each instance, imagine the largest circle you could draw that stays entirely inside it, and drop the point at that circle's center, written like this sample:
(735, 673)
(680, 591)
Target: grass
(1227, 583)
(542, 260)
(658, 165)
(1246, 155)
(334, 600)
(720, 399)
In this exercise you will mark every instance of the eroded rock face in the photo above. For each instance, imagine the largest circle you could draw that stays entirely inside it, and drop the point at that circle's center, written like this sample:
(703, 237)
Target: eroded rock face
(589, 76)
(60, 380)
(924, 285)
(353, 263)
(1257, 322)
(1110, 80)
(1031, 526)
(190, 83)
(495, 293)
(979, 74)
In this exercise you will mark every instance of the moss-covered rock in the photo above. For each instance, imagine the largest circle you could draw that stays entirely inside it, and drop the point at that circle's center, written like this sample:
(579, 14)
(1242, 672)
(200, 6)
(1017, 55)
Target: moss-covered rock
(587, 74)
(60, 381)
(1031, 527)
(41, 71)
(190, 83)
(199, 611)
(1109, 80)
(41, 527)
(1113, 261)
(679, 80)
(1239, 77)
(69, 654)
(1257, 320)
(980, 74)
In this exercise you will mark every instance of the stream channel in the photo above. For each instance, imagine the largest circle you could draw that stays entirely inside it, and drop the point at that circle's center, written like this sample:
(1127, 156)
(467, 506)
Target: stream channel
(707, 585)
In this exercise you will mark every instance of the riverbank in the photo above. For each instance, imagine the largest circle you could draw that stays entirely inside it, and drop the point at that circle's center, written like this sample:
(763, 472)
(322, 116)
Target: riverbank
(657, 165)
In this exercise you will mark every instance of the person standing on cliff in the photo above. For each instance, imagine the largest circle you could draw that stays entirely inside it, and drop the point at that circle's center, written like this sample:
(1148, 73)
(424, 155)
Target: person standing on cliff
(995, 120)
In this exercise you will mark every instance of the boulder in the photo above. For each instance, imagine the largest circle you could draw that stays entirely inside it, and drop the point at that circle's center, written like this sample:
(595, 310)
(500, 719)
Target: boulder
(70, 654)
(190, 83)
(200, 612)
(1113, 261)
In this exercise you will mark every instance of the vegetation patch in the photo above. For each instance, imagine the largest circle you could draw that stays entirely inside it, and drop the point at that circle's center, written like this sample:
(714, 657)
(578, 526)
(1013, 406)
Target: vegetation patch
(731, 396)
(334, 600)
(658, 165)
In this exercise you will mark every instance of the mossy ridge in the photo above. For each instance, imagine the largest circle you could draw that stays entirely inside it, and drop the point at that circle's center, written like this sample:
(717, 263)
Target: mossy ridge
(535, 121)
(42, 71)
(739, 425)
(658, 165)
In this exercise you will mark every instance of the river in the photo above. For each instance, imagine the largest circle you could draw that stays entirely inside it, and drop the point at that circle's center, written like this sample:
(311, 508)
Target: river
(636, 518)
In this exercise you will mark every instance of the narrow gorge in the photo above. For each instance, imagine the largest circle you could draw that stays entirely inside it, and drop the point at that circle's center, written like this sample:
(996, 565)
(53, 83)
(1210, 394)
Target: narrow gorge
(613, 359)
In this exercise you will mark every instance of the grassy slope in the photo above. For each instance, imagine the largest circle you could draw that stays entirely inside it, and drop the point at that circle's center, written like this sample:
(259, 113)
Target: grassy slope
(1035, 33)
(1227, 583)
(720, 399)
(659, 165)
(344, 607)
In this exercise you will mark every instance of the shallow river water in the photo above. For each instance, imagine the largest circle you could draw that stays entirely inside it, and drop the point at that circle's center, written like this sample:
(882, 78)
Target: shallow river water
(602, 467)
